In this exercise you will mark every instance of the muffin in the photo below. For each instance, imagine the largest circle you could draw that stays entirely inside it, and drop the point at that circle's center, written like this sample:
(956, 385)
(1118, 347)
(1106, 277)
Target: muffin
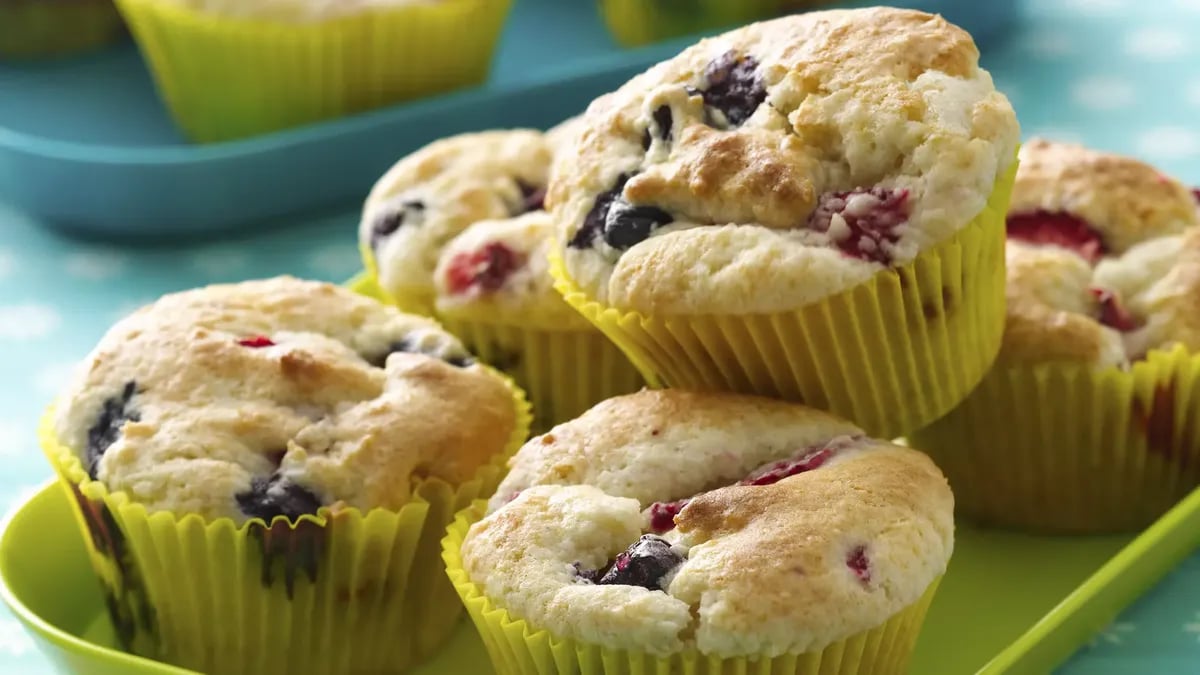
(229, 69)
(668, 529)
(494, 291)
(809, 208)
(32, 29)
(1084, 424)
(261, 463)
(432, 195)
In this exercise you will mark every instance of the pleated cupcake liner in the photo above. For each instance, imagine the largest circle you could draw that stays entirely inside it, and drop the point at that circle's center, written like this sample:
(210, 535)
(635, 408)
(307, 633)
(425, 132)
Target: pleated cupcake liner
(517, 647)
(564, 372)
(33, 29)
(892, 354)
(340, 592)
(1070, 448)
(639, 22)
(231, 77)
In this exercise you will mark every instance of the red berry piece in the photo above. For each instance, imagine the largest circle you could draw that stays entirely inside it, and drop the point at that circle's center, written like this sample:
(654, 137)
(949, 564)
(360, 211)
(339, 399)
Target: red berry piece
(859, 563)
(256, 342)
(662, 515)
(1057, 229)
(486, 269)
(862, 223)
(1112, 312)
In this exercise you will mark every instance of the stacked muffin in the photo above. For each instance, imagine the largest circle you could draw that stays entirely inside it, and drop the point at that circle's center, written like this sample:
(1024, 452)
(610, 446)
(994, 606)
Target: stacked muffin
(1085, 422)
(799, 227)
(810, 209)
(458, 230)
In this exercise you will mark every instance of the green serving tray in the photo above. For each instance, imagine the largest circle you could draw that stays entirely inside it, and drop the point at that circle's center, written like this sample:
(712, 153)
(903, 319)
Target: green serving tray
(1009, 603)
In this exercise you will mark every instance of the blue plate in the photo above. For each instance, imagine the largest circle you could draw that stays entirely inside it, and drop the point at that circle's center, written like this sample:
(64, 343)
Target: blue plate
(87, 146)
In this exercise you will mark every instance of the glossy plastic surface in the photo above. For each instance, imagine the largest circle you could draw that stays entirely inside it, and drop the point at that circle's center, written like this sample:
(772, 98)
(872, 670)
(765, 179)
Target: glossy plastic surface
(1009, 603)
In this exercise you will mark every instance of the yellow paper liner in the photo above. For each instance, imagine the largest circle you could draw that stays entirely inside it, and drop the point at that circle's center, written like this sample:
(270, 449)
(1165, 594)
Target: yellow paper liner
(892, 354)
(639, 22)
(564, 372)
(517, 648)
(1070, 448)
(340, 592)
(225, 77)
(41, 28)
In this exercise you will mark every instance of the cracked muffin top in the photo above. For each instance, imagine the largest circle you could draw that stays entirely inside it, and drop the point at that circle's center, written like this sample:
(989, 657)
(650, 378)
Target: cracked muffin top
(1103, 258)
(782, 162)
(734, 524)
(432, 195)
(277, 397)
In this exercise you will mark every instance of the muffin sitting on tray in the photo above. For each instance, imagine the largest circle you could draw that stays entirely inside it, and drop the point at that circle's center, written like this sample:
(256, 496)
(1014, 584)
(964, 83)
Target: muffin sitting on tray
(666, 523)
(458, 229)
(282, 454)
(1085, 424)
(810, 207)
(229, 69)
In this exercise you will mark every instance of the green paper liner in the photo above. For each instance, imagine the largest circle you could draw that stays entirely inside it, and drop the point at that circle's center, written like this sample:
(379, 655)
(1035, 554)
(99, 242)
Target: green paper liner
(340, 592)
(1070, 448)
(232, 77)
(517, 648)
(33, 29)
(891, 354)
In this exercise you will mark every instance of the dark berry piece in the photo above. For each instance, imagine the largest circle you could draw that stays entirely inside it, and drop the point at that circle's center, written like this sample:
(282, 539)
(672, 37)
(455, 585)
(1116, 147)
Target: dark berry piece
(593, 223)
(406, 212)
(862, 223)
(628, 225)
(1113, 312)
(534, 197)
(115, 412)
(663, 122)
(662, 515)
(409, 346)
(256, 342)
(590, 575)
(486, 269)
(859, 563)
(1196, 194)
(1057, 229)
(643, 564)
(734, 87)
(277, 496)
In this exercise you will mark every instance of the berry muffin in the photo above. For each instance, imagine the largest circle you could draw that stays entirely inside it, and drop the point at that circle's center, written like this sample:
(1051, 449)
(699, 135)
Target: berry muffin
(495, 292)
(229, 69)
(1083, 424)
(809, 208)
(672, 527)
(258, 461)
(32, 29)
(432, 195)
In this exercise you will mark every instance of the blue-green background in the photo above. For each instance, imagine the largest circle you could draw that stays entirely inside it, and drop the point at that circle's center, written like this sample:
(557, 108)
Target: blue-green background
(1118, 74)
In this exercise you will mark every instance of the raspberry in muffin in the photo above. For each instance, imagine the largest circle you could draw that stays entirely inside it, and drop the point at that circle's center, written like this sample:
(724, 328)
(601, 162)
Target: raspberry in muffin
(1102, 256)
(239, 450)
(1080, 425)
(667, 522)
(791, 171)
